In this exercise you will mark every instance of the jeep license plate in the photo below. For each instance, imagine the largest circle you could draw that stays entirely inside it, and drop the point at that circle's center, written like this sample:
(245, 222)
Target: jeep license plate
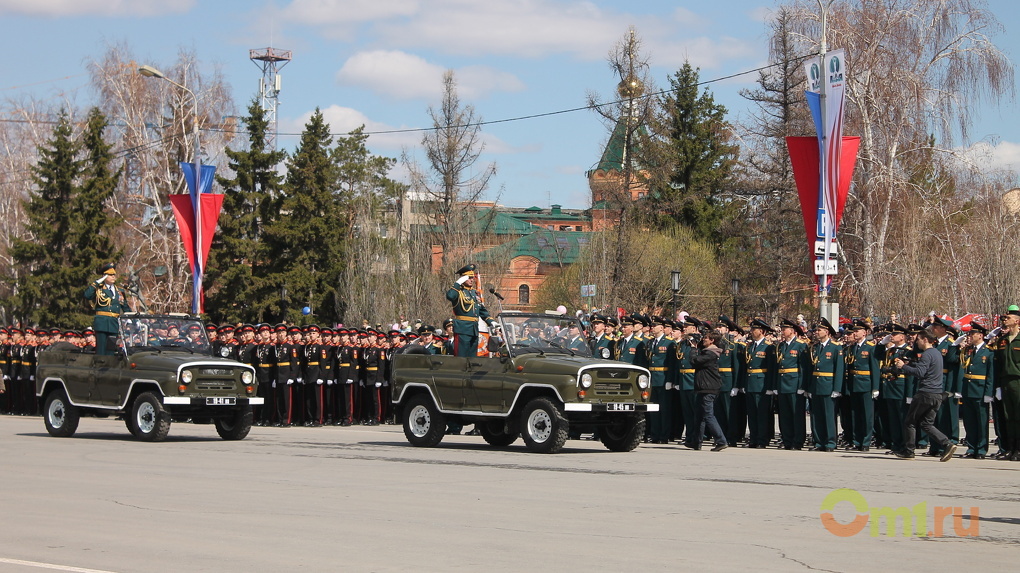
(616, 407)
(222, 402)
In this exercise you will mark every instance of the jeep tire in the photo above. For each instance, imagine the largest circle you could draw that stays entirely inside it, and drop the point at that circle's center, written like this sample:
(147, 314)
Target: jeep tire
(495, 433)
(60, 416)
(237, 426)
(543, 427)
(424, 424)
(623, 435)
(151, 422)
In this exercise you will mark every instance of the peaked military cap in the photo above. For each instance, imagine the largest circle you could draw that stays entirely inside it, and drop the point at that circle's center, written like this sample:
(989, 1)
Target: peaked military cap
(759, 323)
(786, 322)
(824, 323)
(467, 270)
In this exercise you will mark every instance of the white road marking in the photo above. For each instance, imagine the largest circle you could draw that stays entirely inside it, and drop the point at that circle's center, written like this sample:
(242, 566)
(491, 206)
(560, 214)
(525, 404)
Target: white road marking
(51, 566)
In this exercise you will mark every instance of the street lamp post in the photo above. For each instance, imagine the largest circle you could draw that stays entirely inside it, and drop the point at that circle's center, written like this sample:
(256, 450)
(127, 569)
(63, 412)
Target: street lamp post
(196, 202)
(735, 288)
(675, 283)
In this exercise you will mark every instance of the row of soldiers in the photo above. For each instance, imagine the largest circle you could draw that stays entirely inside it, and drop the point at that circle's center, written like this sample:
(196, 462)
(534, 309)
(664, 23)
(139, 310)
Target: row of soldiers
(316, 376)
(845, 379)
(19, 348)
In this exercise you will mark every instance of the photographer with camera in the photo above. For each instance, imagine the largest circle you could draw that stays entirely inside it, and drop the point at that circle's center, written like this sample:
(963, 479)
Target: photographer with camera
(927, 371)
(707, 382)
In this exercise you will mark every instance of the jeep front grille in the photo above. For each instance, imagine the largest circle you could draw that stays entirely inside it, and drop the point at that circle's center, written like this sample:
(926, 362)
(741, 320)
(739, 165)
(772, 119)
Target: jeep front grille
(612, 388)
(213, 384)
(612, 373)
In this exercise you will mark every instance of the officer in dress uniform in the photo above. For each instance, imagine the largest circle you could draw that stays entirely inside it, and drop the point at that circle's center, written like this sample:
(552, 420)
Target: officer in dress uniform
(759, 383)
(601, 342)
(826, 385)
(265, 373)
(729, 369)
(893, 386)
(1006, 347)
(630, 348)
(467, 311)
(793, 360)
(661, 357)
(312, 355)
(347, 374)
(861, 386)
(287, 368)
(685, 398)
(948, 418)
(977, 373)
(108, 302)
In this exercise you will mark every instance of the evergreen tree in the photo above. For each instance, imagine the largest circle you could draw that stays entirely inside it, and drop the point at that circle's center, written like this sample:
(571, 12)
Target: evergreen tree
(306, 242)
(694, 157)
(68, 224)
(239, 265)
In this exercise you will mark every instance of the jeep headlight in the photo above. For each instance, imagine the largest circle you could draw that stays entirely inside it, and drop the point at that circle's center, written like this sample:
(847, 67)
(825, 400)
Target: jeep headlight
(642, 381)
(247, 377)
(186, 377)
(586, 380)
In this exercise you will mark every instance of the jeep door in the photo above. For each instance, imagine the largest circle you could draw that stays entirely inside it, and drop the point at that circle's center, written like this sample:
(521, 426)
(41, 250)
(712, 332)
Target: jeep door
(78, 378)
(484, 390)
(107, 373)
(450, 376)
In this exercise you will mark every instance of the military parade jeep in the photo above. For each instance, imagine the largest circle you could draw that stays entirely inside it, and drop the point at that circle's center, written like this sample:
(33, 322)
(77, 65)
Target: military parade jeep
(542, 385)
(152, 377)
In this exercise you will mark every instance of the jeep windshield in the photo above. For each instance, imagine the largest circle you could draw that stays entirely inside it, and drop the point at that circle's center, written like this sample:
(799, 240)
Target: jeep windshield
(544, 334)
(163, 333)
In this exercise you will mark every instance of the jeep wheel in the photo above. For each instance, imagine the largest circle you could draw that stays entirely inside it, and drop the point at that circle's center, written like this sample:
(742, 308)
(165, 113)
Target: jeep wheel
(624, 435)
(543, 427)
(150, 421)
(60, 416)
(237, 426)
(495, 433)
(424, 424)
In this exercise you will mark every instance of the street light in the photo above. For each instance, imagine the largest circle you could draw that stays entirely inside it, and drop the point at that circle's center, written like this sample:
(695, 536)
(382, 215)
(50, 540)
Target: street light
(735, 289)
(196, 202)
(675, 283)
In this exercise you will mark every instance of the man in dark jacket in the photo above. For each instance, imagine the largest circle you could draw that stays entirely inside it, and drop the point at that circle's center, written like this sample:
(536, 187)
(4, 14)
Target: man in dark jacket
(707, 382)
(927, 372)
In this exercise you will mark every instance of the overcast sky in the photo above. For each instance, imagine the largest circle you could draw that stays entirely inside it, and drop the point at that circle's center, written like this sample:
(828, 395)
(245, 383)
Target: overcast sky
(380, 62)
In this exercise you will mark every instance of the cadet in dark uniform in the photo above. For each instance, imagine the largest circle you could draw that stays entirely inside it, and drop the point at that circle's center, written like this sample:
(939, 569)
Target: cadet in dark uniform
(794, 366)
(759, 383)
(731, 410)
(894, 386)
(978, 371)
(630, 348)
(108, 302)
(661, 358)
(467, 311)
(826, 385)
(861, 386)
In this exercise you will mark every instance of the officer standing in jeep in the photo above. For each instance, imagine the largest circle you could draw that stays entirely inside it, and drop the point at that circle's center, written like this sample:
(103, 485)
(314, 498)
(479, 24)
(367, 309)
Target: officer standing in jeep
(467, 311)
(108, 302)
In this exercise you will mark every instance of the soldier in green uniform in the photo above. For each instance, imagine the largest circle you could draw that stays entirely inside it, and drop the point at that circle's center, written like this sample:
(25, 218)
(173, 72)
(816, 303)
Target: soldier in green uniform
(793, 361)
(108, 301)
(467, 311)
(630, 348)
(730, 412)
(861, 386)
(893, 386)
(1007, 383)
(685, 403)
(948, 418)
(978, 370)
(825, 386)
(758, 383)
(661, 356)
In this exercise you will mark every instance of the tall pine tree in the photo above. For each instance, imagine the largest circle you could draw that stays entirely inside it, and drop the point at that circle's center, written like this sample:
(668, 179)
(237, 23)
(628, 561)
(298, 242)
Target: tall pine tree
(693, 156)
(238, 284)
(68, 223)
(306, 241)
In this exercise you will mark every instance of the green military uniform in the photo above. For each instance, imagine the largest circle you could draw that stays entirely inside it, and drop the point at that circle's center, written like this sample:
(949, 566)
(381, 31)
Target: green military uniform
(1007, 391)
(948, 418)
(977, 367)
(467, 311)
(758, 383)
(861, 387)
(892, 392)
(109, 303)
(686, 399)
(793, 364)
(661, 358)
(826, 383)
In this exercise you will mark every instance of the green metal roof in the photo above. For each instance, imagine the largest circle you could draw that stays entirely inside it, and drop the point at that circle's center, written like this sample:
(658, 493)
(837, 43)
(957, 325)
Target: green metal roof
(550, 247)
(612, 155)
(494, 222)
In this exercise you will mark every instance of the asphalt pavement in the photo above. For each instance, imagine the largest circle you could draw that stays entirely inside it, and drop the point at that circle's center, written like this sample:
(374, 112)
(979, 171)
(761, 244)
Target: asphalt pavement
(363, 499)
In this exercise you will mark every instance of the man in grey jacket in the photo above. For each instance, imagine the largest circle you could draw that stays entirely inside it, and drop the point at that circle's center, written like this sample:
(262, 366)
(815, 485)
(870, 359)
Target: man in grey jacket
(927, 373)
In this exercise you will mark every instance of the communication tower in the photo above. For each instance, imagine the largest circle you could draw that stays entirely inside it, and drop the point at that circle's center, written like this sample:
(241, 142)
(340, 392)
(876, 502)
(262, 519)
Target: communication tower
(270, 61)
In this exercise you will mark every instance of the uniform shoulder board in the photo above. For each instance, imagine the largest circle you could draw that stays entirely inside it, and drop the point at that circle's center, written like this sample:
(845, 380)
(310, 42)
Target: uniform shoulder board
(804, 339)
(836, 342)
(870, 343)
(951, 339)
(740, 343)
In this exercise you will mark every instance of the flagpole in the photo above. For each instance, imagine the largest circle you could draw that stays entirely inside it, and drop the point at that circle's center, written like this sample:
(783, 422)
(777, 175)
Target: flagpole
(827, 216)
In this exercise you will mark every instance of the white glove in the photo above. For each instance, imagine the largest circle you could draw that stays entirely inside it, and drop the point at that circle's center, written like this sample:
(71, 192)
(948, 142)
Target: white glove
(463, 279)
(329, 382)
(669, 385)
(319, 381)
(300, 380)
(808, 395)
(998, 394)
(874, 394)
(378, 384)
(957, 395)
(909, 400)
(31, 378)
(743, 390)
(988, 399)
(771, 392)
(7, 378)
(290, 381)
(885, 340)
(836, 395)
(800, 390)
(734, 391)
(100, 280)
(350, 381)
(274, 384)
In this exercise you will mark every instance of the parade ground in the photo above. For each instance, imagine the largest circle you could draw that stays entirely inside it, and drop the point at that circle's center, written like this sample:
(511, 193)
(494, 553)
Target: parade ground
(362, 499)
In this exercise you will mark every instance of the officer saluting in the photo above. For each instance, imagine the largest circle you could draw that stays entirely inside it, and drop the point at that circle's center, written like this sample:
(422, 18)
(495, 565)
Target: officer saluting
(467, 311)
(108, 302)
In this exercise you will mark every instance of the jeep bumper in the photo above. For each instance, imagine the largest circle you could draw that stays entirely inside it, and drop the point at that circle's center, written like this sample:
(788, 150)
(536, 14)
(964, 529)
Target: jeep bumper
(212, 401)
(611, 407)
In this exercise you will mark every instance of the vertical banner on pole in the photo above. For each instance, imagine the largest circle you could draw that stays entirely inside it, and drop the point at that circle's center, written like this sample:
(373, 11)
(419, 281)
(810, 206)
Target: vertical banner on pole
(200, 199)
